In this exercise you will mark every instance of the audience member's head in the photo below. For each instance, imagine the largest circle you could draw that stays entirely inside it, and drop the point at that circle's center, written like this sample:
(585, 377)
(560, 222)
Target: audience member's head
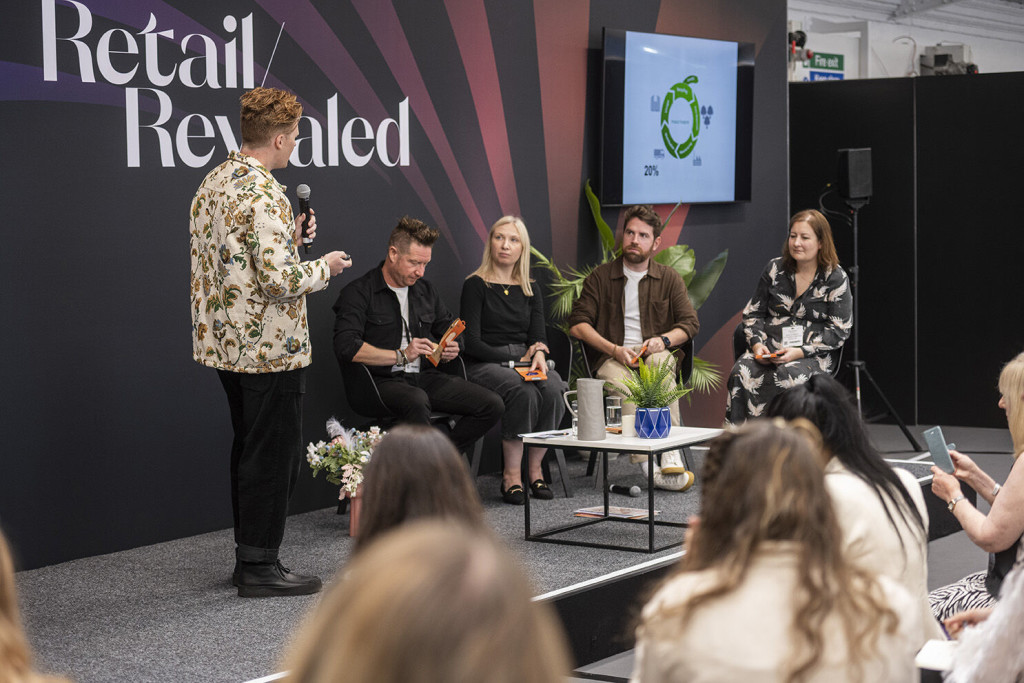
(1011, 386)
(15, 653)
(831, 408)
(827, 256)
(431, 601)
(415, 473)
(764, 484)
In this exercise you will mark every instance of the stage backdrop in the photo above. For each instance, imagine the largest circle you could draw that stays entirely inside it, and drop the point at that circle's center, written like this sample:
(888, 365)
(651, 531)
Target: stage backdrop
(455, 111)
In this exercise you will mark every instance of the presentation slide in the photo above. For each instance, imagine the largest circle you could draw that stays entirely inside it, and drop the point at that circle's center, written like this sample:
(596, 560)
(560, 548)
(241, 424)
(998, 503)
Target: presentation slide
(679, 119)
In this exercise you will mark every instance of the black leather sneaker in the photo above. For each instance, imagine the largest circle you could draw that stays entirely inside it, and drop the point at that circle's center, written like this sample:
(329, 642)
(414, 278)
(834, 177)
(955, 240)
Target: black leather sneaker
(268, 580)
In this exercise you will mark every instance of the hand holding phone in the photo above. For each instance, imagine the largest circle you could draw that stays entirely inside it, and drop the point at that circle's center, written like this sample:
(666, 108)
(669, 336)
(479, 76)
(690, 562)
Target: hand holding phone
(939, 450)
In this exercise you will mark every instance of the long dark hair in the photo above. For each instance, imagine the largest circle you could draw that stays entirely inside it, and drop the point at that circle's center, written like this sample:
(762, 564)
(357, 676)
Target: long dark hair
(827, 403)
(415, 473)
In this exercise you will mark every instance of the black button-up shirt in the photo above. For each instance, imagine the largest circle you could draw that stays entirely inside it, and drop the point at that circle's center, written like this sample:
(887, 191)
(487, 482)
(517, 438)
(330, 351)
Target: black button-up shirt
(367, 311)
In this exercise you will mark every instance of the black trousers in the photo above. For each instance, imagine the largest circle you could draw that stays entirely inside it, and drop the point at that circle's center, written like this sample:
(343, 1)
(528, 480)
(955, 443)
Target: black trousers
(411, 397)
(266, 453)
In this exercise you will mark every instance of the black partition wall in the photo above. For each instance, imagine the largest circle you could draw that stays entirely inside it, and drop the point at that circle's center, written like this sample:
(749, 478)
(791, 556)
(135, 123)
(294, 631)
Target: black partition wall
(941, 238)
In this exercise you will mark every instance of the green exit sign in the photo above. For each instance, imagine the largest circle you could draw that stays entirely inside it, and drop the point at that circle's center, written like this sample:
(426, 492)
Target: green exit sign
(823, 60)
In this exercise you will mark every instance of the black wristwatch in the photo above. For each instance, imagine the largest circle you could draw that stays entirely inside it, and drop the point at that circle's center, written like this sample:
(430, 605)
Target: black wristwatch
(666, 341)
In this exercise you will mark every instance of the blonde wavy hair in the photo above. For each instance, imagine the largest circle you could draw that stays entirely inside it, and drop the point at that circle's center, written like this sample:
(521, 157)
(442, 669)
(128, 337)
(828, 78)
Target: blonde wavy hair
(15, 653)
(764, 482)
(521, 270)
(431, 601)
(1011, 386)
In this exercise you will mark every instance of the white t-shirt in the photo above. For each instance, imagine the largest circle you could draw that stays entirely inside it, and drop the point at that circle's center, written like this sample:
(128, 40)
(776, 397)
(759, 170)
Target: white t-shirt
(403, 303)
(631, 308)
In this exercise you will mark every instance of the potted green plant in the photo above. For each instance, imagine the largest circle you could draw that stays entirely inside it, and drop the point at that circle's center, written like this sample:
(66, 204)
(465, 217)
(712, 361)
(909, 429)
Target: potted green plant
(649, 387)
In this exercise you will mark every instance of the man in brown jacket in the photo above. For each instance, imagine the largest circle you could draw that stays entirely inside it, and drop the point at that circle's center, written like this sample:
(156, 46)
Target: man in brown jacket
(631, 303)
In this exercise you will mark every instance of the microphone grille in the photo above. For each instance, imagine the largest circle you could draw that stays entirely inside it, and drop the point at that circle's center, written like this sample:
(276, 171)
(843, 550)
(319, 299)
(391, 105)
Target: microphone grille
(302, 191)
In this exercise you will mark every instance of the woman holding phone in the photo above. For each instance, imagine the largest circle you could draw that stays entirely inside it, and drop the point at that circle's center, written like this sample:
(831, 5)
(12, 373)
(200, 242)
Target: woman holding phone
(505, 324)
(801, 310)
(999, 532)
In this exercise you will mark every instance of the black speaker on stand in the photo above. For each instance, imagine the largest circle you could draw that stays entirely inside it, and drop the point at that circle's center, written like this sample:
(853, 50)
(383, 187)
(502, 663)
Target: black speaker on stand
(855, 188)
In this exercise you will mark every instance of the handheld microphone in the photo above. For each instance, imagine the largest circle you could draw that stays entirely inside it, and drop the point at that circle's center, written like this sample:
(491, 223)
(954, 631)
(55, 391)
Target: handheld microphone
(303, 192)
(631, 491)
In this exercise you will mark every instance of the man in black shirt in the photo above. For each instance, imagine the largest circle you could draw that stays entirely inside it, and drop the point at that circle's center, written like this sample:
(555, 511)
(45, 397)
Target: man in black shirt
(387, 320)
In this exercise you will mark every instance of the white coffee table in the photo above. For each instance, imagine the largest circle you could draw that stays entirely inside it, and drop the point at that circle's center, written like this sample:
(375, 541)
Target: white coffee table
(678, 437)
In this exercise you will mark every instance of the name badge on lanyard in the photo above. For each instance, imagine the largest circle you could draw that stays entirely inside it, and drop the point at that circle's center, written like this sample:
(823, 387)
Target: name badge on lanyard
(792, 336)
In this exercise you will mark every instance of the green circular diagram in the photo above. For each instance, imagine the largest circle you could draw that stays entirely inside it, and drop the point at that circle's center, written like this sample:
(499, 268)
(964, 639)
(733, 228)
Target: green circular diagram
(680, 150)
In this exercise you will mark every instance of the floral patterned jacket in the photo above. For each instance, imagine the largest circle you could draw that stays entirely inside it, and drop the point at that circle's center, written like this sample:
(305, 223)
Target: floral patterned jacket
(249, 285)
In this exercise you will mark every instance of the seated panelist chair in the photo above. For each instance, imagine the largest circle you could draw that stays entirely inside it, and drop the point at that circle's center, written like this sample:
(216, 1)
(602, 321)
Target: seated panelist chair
(364, 398)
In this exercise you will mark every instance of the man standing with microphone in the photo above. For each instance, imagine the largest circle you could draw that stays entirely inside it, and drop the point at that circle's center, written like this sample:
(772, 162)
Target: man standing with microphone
(249, 289)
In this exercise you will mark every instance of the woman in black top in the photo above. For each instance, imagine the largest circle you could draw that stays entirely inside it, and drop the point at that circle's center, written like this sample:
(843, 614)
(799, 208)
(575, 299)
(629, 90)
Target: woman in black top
(505, 323)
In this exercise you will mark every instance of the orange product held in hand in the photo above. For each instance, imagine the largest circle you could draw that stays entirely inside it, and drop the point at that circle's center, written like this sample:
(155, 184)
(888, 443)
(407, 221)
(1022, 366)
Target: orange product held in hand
(454, 330)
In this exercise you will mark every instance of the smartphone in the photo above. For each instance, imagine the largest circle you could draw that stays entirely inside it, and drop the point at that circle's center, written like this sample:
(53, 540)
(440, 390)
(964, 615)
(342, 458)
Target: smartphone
(939, 450)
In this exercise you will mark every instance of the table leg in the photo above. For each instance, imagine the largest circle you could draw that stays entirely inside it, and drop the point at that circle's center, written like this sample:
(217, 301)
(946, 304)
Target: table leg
(650, 502)
(526, 488)
(604, 480)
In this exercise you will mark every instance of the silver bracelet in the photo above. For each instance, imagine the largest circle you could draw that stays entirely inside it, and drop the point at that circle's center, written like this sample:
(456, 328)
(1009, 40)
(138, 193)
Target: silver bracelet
(995, 489)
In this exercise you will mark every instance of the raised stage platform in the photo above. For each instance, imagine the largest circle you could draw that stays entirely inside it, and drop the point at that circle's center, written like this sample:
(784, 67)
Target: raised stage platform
(168, 611)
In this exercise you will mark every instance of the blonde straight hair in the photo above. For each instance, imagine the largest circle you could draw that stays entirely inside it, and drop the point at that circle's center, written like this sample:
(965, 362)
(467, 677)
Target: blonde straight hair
(521, 270)
(1011, 386)
(431, 601)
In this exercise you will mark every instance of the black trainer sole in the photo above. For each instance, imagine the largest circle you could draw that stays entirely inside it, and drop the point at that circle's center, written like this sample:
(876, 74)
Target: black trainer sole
(278, 591)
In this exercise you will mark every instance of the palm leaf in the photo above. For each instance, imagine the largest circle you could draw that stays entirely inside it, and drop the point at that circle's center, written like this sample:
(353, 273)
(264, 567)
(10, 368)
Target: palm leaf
(679, 258)
(700, 286)
(608, 250)
(705, 378)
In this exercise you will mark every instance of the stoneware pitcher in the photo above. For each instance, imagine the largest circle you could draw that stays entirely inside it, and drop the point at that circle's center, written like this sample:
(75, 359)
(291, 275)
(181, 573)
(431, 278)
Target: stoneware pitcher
(590, 409)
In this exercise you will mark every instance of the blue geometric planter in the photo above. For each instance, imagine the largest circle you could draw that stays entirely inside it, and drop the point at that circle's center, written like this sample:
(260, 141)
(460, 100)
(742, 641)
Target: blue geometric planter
(653, 423)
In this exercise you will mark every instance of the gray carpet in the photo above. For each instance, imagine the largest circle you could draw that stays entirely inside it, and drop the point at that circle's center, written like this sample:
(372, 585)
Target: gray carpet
(168, 612)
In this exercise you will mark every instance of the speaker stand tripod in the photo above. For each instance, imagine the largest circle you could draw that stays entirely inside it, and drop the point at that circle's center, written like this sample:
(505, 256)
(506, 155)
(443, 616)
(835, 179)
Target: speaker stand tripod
(858, 366)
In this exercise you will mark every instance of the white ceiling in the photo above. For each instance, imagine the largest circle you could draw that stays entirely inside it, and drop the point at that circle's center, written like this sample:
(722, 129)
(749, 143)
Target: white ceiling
(999, 19)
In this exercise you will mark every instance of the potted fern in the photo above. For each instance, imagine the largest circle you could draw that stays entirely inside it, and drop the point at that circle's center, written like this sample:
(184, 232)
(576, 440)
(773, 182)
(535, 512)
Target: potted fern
(649, 387)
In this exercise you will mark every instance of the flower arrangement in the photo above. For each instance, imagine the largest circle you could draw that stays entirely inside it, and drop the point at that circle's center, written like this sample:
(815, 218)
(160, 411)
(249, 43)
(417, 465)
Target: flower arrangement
(342, 460)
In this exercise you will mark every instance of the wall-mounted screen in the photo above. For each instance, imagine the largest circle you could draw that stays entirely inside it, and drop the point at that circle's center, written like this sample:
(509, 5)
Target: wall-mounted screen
(677, 119)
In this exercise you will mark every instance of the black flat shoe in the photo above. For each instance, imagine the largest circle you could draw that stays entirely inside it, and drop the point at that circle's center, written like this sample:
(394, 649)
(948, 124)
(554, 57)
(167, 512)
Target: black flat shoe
(540, 490)
(513, 495)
